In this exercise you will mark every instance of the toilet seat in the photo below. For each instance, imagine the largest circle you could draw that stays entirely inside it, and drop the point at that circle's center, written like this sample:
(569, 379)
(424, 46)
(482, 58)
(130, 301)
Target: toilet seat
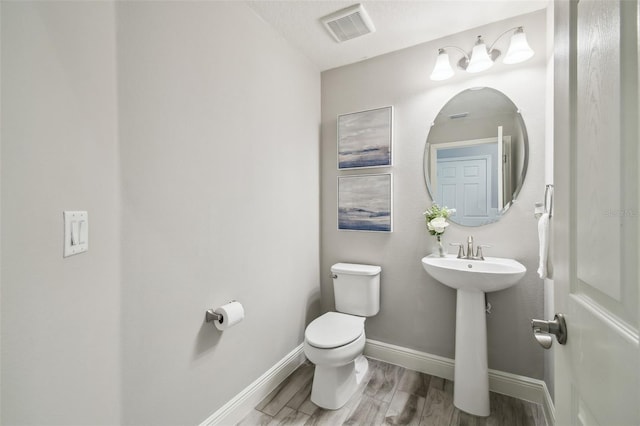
(334, 329)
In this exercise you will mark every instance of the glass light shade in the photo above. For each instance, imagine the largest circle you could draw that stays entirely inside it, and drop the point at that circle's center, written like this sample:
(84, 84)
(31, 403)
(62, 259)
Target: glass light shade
(480, 59)
(442, 69)
(519, 50)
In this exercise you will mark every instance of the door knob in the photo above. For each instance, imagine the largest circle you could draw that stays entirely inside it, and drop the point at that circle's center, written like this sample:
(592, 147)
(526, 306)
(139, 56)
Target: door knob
(542, 331)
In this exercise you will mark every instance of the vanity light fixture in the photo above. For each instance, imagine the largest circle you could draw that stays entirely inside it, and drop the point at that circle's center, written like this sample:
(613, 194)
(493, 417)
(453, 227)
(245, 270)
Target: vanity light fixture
(481, 57)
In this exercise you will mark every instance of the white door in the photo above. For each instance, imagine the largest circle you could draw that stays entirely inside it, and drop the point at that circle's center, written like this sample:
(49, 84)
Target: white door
(596, 212)
(464, 184)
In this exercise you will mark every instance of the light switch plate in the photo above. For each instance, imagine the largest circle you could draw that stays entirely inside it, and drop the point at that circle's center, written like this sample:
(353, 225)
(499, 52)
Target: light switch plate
(76, 232)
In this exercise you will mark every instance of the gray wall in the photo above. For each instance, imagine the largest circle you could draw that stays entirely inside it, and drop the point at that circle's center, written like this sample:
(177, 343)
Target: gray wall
(219, 137)
(417, 312)
(195, 130)
(60, 317)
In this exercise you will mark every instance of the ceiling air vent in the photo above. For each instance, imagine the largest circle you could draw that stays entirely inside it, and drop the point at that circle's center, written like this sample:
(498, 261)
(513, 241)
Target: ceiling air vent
(348, 23)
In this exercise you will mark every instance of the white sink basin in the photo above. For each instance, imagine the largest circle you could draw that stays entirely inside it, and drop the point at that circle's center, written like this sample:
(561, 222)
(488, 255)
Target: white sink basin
(472, 279)
(490, 274)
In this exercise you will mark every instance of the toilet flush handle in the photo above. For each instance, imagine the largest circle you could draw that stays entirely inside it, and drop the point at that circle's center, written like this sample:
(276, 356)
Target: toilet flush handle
(334, 276)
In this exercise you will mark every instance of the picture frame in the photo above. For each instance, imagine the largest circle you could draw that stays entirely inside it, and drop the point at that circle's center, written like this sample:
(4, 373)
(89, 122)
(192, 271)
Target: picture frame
(365, 203)
(365, 139)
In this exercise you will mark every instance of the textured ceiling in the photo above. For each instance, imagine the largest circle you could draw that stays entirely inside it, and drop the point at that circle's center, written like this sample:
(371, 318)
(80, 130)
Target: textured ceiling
(399, 24)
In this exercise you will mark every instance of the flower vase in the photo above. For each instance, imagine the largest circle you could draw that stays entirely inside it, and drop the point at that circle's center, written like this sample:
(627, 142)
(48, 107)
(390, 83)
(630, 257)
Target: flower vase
(441, 251)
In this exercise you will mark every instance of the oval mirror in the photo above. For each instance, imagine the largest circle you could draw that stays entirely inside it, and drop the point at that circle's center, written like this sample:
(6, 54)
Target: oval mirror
(476, 155)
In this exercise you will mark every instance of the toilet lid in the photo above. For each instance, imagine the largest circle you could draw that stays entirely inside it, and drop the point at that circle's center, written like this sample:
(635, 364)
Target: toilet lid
(334, 329)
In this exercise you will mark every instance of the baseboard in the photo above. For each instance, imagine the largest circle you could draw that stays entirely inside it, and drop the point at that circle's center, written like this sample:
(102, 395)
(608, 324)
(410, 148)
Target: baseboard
(509, 384)
(242, 404)
(408, 358)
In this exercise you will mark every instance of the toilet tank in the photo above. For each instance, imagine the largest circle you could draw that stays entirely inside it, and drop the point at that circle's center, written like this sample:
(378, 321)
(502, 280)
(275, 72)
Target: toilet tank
(356, 288)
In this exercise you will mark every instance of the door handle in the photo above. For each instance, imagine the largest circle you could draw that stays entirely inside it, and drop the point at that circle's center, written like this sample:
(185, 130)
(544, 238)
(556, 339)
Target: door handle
(542, 331)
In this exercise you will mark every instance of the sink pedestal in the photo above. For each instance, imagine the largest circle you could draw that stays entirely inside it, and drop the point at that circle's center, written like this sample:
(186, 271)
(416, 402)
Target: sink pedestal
(471, 375)
(472, 279)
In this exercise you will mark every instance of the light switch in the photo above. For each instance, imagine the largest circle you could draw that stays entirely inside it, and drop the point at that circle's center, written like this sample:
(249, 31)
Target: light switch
(76, 232)
(82, 231)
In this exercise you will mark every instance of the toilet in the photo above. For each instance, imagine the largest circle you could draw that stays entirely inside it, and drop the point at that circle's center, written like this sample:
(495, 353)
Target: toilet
(334, 342)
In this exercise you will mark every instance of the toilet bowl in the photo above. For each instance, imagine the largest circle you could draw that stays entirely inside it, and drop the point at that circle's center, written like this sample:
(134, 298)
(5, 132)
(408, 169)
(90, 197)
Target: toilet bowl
(339, 362)
(335, 341)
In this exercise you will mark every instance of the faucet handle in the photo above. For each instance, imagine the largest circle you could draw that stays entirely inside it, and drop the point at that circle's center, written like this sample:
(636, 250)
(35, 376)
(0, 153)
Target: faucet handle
(479, 251)
(460, 249)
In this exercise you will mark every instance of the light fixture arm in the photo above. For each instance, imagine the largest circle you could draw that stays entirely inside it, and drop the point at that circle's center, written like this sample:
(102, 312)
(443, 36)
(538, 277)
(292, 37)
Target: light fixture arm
(457, 48)
(464, 61)
(518, 29)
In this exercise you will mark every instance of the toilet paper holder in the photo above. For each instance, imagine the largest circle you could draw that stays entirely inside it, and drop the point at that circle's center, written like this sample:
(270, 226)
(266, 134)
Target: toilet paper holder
(213, 316)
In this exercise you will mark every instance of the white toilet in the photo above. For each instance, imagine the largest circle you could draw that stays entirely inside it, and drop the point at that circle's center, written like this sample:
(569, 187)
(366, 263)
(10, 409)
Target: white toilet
(334, 342)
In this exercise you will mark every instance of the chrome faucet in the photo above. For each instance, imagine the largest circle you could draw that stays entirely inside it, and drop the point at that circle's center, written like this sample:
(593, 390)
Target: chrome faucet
(469, 252)
(461, 254)
(479, 255)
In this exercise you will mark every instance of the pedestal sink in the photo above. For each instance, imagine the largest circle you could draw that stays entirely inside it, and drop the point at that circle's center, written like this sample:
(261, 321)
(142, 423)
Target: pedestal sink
(472, 279)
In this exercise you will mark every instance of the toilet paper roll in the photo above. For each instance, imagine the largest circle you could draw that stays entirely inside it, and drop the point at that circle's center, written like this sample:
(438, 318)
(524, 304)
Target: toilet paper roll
(232, 313)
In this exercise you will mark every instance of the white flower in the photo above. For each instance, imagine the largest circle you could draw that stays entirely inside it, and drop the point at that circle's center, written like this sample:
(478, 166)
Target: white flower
(438, 224)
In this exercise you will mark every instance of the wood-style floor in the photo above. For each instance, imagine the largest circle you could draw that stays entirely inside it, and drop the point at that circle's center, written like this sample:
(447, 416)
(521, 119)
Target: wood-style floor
(388, 395)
